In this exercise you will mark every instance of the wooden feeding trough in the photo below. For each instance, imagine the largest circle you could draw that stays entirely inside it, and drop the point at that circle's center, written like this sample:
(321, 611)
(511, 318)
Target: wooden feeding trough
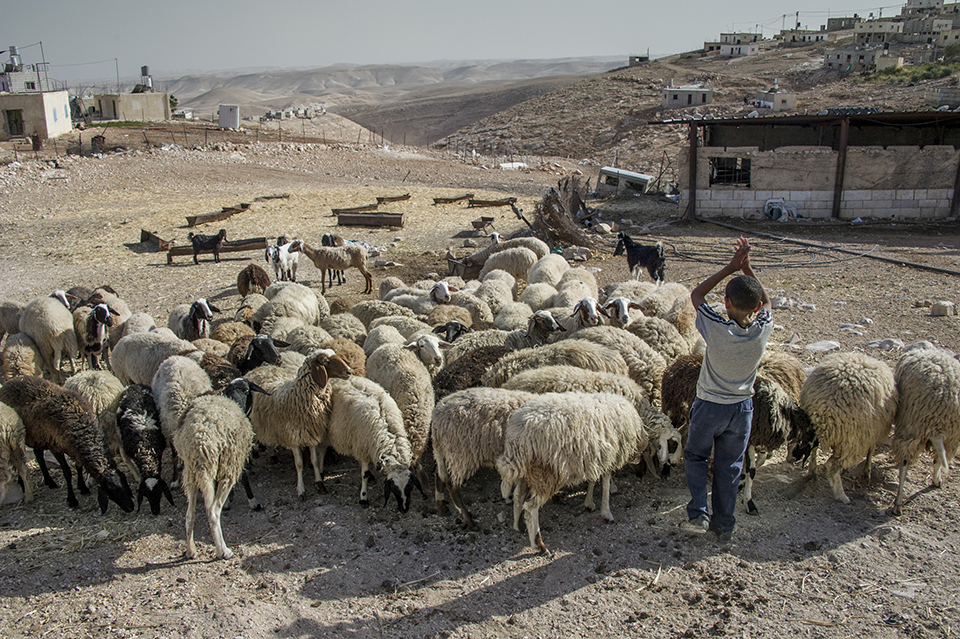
(227, 211)
(150, 236)
(451, 200)
(252, 244)
(357, 209)
(507, 201)
(482, 222)
(393, 198)
(370, 219)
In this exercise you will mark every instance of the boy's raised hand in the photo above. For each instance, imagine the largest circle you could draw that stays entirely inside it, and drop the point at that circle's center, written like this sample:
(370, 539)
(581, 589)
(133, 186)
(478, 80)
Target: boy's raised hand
(742, 256)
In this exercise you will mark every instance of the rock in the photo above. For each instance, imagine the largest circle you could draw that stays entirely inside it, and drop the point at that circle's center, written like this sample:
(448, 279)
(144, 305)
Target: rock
(886, 344)
(807, 307)
(923, 303)
(823, 346)
(943, 308)
(783, 302)
(100, 536)
(851, 330)
(604, 228)
(468, 243)
(866, 321)
(849, 326)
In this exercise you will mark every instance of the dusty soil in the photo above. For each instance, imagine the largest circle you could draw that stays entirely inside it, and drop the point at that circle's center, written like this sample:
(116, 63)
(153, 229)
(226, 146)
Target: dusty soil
(807, 566)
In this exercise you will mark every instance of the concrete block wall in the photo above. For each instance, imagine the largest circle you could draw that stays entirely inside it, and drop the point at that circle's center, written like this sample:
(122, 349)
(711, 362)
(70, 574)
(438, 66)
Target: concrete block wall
(867, 203)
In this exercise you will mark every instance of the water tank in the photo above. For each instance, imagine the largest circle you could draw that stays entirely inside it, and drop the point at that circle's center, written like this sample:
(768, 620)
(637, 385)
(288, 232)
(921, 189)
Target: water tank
(229, 116)
(144, 70)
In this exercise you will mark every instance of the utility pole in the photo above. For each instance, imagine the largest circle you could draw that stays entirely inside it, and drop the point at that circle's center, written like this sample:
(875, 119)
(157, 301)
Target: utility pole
(117, 64)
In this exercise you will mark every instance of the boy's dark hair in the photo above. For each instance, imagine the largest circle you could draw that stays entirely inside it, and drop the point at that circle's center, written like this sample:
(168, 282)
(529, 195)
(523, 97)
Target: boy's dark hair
(744, 292)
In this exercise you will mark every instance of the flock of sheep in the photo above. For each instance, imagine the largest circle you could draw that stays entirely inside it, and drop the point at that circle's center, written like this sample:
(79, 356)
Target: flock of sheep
(532, 369)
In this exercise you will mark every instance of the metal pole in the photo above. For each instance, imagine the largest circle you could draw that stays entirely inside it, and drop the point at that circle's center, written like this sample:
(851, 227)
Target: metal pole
(692, 205)
(117, 64)
(841, 166)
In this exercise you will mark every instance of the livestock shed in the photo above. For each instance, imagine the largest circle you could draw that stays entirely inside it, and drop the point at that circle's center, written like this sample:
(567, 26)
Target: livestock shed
(144, 107)
(849, 164)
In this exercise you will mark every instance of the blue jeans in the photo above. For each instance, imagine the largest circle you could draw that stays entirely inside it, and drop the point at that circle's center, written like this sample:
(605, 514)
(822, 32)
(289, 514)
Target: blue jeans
(724, 428)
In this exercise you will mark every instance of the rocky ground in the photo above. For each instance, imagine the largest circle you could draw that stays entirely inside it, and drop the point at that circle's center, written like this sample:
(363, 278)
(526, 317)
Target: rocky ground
(807, 566)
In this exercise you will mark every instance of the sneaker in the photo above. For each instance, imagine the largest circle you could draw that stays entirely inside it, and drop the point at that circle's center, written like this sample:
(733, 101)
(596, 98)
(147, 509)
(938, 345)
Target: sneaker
(696, 526)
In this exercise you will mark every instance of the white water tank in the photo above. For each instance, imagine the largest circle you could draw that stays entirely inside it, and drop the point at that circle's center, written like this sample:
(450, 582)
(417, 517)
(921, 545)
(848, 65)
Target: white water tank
(229, 116)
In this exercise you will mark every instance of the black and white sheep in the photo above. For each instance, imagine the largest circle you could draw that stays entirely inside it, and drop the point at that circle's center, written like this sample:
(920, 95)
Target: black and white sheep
(928, 414)
(90, 326)
(192, 321)
(138, 421)
(540, 327)
(249, 352)
(57, 420)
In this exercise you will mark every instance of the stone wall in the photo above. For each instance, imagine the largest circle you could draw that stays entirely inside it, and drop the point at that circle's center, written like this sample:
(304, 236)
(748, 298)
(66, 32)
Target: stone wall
(896, 182)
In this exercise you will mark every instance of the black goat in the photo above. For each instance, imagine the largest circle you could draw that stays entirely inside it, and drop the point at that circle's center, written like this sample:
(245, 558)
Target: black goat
(451, 330)
(207, 243)
(329, 239)
(650, 257)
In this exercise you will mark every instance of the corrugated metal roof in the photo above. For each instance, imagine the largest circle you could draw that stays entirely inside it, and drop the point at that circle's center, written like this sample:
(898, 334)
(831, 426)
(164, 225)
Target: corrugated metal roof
(854, 114)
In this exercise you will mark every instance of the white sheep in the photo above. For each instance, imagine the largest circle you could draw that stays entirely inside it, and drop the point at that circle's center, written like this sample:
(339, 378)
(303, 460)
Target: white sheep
(565, 439)
(136, 323)
(480, 312)
(467, 435)
(296, 411)
(210, 345)
(621, 311)
(565, 379)
(539, 248)
(347, 326)
(137, 356)
(659, 301)
(305, 339)
(851, 399)
(250, 305)
(571, 352)
(49, 323)
(336, 258)
(369, 310)
(192, 321)
(214, 442)
(13, 454)
(177, 382)
(633, 289)
(496, 292)
(928, 414)
(366, 424)
(548, 270)
(515, 261)
(380, 335)
(101, 390)
(539, 296)
(645, 366)
(660, 335)
(280, 328)
(295, 301)
(540, 327)
(388, 284)
(407, 326)
(582, 275)
(406, 372)
(449, 313)
(513, 316)
(21, 357)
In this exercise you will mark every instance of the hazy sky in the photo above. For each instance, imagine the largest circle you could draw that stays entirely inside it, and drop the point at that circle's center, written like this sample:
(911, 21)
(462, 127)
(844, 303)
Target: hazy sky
(82, 38)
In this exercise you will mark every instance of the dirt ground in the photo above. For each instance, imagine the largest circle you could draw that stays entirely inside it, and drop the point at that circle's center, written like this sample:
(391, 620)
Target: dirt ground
(807, 566)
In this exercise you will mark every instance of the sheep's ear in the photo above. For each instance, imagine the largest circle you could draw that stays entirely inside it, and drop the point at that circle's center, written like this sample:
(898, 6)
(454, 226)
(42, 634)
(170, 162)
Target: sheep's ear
(465, 329)
(113, 312)
(444, 344)
(319, 374)
(603, 311)
(167, 493)
(279, 343)
(440, 330)
(453, 289)
(256, 388)
(102, 500)
(412, 346)
(386, 491)
(633, 305)
(213, 308)
(249, 351)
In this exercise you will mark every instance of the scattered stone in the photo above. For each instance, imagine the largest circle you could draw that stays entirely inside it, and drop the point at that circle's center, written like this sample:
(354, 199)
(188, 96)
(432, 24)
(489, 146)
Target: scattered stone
(823, 346)
(807, 307)
(604, 228)
(794, 339)
(398, 238)
(851, 326)
(924, 303)
(783, 302)
(100, 536)
(433, 276)
(886, 344)
(839, 303)
(468, 243)
(577, 253)
(943, 308)
(851, 330)
(866, 321)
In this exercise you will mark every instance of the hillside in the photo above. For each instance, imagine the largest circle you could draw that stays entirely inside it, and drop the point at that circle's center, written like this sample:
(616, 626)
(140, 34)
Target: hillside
(602, 118)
